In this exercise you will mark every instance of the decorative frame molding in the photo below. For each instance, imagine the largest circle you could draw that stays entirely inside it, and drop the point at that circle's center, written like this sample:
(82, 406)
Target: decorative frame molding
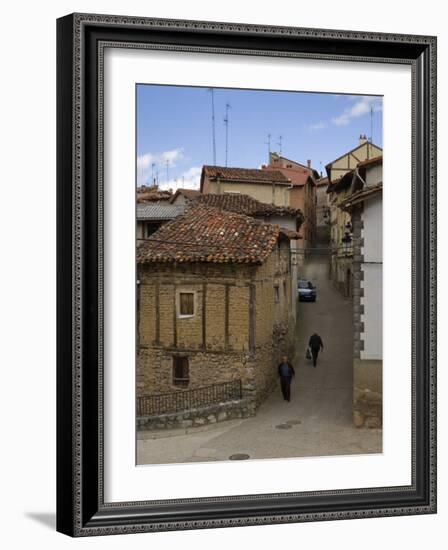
(81, 510)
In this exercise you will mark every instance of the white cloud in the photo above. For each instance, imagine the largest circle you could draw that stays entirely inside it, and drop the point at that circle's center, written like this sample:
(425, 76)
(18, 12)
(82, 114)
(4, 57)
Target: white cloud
(190, 179)
(318, 126)
(360, 107)
(173, 156)
(145, 163)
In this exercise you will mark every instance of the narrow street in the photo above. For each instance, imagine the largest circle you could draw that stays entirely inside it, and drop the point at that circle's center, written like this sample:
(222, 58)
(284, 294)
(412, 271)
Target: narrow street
(317, 421)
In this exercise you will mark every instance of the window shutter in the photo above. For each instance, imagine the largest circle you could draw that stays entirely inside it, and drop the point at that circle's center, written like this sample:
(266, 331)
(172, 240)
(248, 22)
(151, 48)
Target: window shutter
(186, 303)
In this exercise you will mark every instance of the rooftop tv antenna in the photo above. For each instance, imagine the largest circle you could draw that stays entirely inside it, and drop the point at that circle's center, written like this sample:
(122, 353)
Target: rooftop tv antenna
(226, 122)
(153, 164)
(167, 170)
(213, 125)
(279, 143)
(371, 124)
(268, 143)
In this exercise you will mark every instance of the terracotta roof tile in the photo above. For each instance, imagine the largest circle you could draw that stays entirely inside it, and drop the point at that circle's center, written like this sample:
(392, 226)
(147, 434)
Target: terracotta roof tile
(322, 181)
(146, 193)
(248, 175)
(373, 160)
(207, 234)
(190, 194)
(244, 204)
(297, 176)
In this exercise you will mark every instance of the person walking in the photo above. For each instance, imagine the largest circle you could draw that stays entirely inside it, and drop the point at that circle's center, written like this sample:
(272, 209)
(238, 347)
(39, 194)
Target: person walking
(286, 372)
(315, 344)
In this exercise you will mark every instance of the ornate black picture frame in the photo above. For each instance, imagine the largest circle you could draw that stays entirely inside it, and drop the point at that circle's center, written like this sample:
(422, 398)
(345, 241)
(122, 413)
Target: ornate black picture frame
(81, 509)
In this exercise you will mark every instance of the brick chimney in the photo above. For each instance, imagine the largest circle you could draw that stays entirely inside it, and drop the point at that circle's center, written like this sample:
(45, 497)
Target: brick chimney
(362, 139)
(308, 163)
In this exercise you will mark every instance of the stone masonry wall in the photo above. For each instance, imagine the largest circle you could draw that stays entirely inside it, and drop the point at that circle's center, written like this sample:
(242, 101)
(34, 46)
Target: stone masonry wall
(197, 417)
(154, 374)
(367, 393)
(239, 329)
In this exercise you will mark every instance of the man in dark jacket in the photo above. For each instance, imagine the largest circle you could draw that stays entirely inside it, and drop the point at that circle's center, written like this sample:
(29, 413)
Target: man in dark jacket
(315, 345)
(286, 372)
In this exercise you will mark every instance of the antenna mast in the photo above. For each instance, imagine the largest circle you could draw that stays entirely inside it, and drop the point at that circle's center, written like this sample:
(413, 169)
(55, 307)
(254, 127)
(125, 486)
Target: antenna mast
(268, 143)
(213, 125)
(226, 122)
(279, 143)
(153, 164)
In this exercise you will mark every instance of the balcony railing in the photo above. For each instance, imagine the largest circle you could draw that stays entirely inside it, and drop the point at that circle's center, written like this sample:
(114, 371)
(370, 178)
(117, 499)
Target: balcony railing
(184, 400)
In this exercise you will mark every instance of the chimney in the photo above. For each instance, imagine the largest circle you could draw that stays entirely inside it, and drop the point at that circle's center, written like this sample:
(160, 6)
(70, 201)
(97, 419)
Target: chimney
(308, 163)
(362, 139)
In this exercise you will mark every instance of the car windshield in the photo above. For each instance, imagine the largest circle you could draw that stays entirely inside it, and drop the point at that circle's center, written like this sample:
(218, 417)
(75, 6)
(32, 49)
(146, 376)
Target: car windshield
(304, 284)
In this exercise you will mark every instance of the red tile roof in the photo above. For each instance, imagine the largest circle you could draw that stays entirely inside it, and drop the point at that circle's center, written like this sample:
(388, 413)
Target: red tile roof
(190, 194)
(246, 175)
(147, 193)
(207, 234)
(296, 176)
(244, 204)
(374, 160)
(322, 181)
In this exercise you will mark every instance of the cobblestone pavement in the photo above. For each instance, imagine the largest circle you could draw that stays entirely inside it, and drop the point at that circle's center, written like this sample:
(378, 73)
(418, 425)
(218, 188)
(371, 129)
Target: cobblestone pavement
(317, 421)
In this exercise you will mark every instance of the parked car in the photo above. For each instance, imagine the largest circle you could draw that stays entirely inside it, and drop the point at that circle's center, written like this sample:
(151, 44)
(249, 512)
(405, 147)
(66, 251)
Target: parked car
(306, 291)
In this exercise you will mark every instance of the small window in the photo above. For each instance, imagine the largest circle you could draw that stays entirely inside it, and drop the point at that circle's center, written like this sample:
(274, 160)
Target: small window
(284, 289)
(181, 375)
(152, 227)
(276, 294)
(186, 304)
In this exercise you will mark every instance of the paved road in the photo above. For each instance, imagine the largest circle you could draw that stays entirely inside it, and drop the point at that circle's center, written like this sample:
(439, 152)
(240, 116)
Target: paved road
(318, 419)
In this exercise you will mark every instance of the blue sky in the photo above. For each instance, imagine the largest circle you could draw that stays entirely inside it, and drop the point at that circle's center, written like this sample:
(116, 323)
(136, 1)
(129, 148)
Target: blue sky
(174, 124)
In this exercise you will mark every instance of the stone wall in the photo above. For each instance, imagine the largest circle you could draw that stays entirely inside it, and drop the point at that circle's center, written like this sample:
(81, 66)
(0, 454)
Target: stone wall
(240, 328)
(367, 393)
(155, 369)
(195, 418)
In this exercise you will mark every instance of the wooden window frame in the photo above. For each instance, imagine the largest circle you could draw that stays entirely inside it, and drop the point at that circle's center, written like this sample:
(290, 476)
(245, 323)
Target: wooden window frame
(181, 315)
(183, 381)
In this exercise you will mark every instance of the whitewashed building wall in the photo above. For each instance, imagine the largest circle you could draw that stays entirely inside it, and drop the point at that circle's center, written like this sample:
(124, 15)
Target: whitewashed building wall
(372, 278)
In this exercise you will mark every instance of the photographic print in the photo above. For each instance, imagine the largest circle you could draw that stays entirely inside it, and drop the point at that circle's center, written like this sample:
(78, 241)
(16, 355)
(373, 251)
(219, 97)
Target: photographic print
(227, 332)
(259, 274)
